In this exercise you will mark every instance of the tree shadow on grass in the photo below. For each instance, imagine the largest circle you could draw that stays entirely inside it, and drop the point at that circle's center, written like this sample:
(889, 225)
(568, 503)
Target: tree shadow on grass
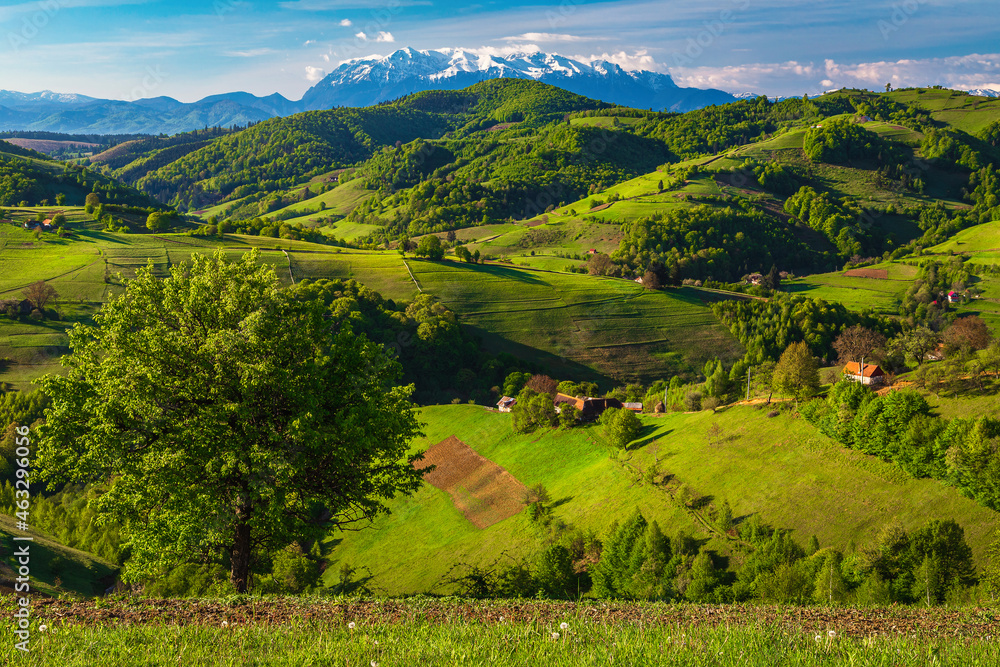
(701, 502)
(562, 501)
(646, 437)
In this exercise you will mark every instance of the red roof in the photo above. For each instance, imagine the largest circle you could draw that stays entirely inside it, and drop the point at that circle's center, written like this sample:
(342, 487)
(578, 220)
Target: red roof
(871, 370)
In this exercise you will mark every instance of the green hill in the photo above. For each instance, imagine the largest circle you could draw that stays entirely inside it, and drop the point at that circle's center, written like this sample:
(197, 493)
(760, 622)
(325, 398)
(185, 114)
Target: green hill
(35, 180)
(575, 326)
(778, 468)
(55, 568)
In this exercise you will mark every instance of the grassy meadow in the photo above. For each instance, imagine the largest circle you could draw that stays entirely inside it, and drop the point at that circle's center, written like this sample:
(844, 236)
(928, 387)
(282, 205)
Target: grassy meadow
(778, 467)
(611, 325)
(448, 632)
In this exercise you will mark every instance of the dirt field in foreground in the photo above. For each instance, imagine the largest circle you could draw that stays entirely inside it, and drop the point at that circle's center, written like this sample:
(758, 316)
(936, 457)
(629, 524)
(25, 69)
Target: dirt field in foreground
(895, 621)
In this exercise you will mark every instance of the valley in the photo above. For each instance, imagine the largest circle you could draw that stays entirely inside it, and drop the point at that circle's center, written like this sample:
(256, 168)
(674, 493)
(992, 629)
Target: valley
(516, 239)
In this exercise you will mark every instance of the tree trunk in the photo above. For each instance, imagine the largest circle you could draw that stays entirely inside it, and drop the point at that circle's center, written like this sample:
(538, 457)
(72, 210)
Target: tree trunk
(239, 572)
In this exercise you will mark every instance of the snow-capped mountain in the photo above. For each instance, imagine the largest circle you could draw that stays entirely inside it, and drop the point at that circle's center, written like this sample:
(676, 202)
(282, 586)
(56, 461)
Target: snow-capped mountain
(366, 81)
(360, 82)
(984, 92)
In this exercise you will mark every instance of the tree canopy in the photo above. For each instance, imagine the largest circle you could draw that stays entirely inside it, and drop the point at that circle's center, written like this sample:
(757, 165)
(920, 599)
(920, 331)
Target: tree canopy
(227, 417)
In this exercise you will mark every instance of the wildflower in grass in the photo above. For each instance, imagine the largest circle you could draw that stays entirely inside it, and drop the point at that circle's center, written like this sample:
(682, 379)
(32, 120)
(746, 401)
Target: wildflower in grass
(564, 626)
(350, 626)
(819, 638)
(374, 664)
(831, 633)
(555, 635)
(225, 624)
(43, 627)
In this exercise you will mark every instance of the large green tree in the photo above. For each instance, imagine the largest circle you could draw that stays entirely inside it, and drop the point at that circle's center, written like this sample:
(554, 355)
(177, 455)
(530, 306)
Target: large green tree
(797, 372)
(227, 416)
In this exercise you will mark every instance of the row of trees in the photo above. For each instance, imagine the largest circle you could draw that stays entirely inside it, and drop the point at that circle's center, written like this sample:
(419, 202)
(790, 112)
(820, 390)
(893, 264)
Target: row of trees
(636, 560)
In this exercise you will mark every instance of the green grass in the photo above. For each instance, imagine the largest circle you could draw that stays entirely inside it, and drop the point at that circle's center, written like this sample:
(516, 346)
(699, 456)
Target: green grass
(880, 295)
(960, 110)
(610, 326)
(454, 632)
(563, 234)
(340, 200)
(980, 243)
(780, 468)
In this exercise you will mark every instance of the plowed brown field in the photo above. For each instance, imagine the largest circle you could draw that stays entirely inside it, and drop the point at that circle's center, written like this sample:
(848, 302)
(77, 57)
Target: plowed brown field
(895, 621)
(879, 274)
(483, 491)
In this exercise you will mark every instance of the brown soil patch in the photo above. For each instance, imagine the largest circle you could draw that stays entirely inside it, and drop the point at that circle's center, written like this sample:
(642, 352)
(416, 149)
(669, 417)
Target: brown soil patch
(878, 274)
(44, 145)
(482, 490)
(600, 208)
(246, 611)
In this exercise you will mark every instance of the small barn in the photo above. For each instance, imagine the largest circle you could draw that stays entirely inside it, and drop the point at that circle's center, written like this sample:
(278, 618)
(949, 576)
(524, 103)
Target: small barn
(864, 373)
(590, 408)
(506, 403)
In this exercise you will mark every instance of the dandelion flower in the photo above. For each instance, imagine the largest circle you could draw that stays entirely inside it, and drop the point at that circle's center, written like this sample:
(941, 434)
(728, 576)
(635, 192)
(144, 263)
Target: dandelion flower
(350, 626)
(831, 633)
(555, 635)
(501, 619)
(43, 627)
(819, 638)
(225, 624)
(374, 664)
(564, 626)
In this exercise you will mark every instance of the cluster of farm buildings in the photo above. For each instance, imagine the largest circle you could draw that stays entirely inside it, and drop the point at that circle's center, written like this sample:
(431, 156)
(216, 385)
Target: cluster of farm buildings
(589, 408)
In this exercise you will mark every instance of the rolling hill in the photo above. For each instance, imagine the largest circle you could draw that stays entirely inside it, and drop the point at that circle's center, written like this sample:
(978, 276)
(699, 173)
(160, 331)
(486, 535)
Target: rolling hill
(778, 468)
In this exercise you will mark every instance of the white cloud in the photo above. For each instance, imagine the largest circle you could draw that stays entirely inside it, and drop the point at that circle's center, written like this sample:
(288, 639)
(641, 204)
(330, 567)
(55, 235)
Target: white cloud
(314, 74)
(548, 37)
(385, 37)
(630, 61)
(362, 36)
(250, 53)
(794, 78)
(346, 23)
(497, 51)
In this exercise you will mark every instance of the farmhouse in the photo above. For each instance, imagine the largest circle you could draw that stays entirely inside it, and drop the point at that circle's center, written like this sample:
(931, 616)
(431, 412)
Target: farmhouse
(506, 403)
(590, 408)
(865, 374)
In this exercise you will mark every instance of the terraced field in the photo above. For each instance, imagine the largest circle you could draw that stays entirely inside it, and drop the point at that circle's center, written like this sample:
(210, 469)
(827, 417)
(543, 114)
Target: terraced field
(611, 325)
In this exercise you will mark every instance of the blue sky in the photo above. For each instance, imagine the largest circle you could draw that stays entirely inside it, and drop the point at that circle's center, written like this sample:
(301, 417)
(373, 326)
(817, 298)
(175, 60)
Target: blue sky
(123, 49)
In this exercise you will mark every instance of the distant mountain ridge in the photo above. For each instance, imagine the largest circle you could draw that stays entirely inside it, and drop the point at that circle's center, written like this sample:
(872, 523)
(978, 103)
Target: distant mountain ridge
(360, 82)
(368, 81)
